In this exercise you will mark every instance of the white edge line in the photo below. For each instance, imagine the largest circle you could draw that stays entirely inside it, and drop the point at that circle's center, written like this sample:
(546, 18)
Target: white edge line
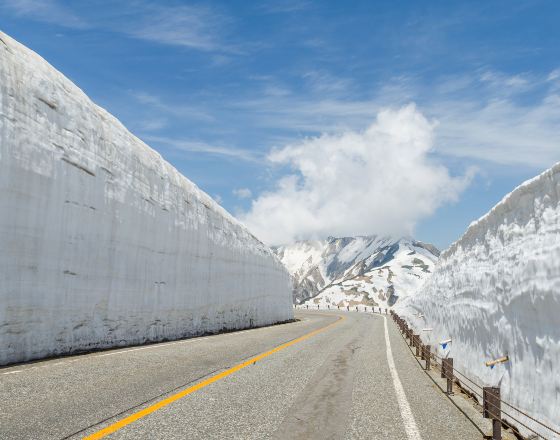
(406, 413)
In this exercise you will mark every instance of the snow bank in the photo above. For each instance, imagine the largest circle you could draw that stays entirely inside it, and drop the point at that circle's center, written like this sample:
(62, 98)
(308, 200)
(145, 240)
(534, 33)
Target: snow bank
(496, 291)
(102, 242)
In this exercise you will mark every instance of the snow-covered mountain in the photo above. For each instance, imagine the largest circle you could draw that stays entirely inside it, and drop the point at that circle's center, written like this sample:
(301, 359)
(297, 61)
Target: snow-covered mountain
(496, 292)
(366, 270)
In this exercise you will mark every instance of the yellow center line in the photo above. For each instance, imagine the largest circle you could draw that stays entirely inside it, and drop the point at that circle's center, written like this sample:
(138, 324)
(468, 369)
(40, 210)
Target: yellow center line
(162, 403)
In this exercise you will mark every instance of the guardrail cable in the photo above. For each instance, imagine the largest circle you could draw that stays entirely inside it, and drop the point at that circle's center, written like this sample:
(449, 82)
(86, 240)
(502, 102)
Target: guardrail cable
(516, 420)
(510, 405)
(436, 357)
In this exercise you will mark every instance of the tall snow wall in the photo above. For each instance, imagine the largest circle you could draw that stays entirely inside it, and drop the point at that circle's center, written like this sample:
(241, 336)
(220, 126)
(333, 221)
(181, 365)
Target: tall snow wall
(102, 242)
(496, 292)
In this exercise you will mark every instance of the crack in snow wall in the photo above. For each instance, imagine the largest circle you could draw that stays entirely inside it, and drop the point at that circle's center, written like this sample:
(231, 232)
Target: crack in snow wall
(102, 242)
(496, 291)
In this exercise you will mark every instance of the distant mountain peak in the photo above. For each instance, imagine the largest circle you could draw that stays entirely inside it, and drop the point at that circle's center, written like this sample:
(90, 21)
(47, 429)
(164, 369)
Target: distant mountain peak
(368, 269)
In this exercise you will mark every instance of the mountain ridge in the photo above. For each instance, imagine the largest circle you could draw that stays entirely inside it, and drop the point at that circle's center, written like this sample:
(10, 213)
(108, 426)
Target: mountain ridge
(368, 269)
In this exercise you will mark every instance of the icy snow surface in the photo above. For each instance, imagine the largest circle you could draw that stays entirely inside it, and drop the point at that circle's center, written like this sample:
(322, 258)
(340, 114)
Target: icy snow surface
(102, 242)
(496, 292)
(351, 271)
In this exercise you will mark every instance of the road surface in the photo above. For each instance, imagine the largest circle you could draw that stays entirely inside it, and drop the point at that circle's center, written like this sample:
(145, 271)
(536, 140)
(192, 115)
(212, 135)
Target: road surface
(331, 375)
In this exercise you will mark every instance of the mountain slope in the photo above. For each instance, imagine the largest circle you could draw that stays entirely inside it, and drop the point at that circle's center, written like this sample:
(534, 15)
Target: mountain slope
(367, 270)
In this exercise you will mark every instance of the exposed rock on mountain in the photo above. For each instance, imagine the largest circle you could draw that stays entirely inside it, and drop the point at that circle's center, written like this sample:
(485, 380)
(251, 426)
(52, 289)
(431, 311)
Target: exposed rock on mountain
(357, 270)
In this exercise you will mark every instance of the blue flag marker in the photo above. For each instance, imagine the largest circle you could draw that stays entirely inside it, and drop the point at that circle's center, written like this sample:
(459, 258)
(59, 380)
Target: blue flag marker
(444, 346)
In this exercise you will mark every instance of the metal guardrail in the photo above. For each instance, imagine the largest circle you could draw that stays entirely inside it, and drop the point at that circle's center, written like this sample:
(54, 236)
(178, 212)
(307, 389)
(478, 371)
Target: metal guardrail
(358, 308)
(491, 397)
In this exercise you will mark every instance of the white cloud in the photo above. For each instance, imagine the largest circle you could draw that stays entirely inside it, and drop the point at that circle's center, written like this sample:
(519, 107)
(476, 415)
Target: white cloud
(321, 81)
(48, 11)
(242, 193)
(202, 147)
(554, 75)
(500, 127)
(195, 27)
(284, 6)
(381, 180)
(297, 113)
(485, 115)
(176, 110)
(153, 124)
(504, 82)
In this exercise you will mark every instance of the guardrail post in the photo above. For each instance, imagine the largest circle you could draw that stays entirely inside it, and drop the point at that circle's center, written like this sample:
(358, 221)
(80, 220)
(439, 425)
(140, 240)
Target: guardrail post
(447, 371)
(428, 356)
(492, 410)
(422, 351)
(410, 338)
(307, 306)
(417, 344)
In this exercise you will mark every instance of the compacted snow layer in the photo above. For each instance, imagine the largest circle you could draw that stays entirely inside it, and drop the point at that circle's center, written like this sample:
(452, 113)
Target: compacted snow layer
(102, 242)
(496, 292)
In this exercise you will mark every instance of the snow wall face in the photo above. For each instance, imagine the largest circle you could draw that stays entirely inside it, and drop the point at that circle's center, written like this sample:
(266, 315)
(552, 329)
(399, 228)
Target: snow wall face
(496, 291)
(102, 242)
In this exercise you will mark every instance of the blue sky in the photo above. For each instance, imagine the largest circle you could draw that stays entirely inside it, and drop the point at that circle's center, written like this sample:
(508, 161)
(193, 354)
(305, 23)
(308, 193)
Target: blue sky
(292, 113)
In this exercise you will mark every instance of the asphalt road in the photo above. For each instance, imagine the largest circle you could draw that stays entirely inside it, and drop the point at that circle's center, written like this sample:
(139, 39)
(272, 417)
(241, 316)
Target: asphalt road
(334, 383)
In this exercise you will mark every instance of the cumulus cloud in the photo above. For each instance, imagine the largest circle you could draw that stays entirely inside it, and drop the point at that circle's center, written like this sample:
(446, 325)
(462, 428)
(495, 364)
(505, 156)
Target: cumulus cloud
(381, 180)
